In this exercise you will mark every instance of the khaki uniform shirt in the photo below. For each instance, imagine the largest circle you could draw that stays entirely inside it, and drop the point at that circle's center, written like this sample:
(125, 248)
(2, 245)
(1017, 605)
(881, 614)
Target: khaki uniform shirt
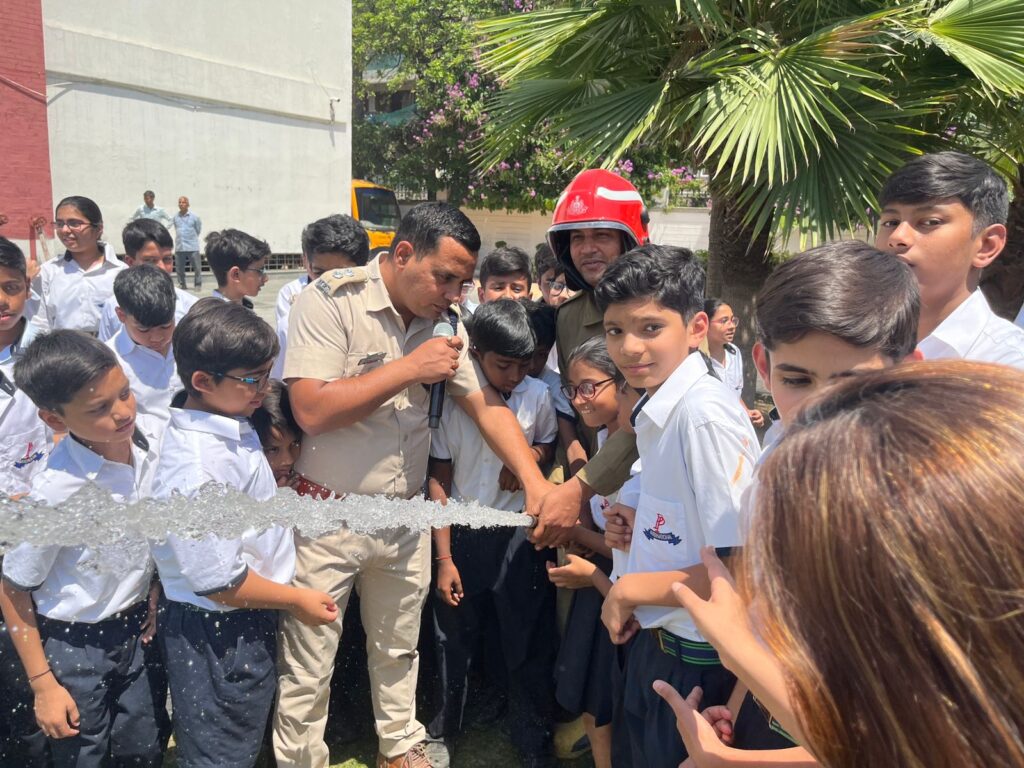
(579, 319)
(344, 325)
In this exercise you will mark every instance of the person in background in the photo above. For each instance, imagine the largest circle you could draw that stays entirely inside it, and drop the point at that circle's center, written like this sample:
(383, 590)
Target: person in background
(334, 242)
(150, 210)
(187, 228)
(726, 358)
(239, 262)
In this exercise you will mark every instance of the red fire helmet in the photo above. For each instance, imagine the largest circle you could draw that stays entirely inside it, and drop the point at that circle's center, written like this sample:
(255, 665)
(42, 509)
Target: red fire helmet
(596, 199)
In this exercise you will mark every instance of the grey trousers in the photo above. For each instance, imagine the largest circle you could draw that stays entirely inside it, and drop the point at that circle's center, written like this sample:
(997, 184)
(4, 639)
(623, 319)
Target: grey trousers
(182, 259)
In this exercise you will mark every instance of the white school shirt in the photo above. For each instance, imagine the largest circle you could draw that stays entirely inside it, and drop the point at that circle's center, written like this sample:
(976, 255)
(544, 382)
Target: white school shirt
(198, 448)
(974, 332)
(285, 298)
(25, 441)
(698, 450)
(81, 583)
(152, 377)
(476, 466)
(246, 302)
(72, 298)
(110, 324)
(731, 373)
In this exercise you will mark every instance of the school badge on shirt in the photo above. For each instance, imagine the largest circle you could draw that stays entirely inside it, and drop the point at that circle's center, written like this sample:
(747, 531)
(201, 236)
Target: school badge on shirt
(655, 534)
(30, 457)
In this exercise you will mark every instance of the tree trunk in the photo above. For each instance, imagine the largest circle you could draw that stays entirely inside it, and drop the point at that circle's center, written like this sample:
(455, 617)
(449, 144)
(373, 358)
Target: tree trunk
(737, 268)
(1003, 280)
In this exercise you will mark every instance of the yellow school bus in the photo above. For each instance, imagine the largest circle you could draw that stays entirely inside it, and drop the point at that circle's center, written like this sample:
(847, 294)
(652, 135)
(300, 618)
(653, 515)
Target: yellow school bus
(376, 208)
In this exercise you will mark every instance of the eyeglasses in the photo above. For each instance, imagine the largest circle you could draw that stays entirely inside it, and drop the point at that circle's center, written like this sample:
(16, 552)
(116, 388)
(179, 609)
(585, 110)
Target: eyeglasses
(555, 286)
(585, 389)
(74, 225)
(262, 271)
(728, 321)
(260, 382)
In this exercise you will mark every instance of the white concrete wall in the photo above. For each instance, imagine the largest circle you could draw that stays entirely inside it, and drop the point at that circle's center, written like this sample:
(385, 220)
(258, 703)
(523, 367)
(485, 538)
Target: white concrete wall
(228, 102)
(687, 227)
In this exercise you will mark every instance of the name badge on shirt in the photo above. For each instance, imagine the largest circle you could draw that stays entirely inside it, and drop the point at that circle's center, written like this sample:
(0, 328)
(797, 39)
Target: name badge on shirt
(376, 357)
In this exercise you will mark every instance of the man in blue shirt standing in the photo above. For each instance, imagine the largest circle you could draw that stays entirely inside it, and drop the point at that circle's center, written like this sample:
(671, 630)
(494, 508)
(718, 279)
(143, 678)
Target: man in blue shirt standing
(187, 227)
(150, 210)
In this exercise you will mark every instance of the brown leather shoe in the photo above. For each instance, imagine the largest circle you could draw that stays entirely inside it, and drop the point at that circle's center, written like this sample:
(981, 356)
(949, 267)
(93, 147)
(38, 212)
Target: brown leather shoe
(414, 758)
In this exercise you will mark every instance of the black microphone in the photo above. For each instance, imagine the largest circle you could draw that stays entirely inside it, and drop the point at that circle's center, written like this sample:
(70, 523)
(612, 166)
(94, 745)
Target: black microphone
(444, 329)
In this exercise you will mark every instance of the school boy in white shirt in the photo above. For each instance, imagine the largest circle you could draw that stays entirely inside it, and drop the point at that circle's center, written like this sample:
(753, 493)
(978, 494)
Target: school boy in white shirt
(79, 616)
(146, 309)
(812, 331)
(333, 242)
(495, 566)
(218, 631)
(945, 215)
(25, 440)
(145, 242)
(239, 262)
(698, 451)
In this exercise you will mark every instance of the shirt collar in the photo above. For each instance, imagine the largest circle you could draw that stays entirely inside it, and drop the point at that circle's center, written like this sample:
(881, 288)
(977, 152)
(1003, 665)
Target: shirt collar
(377, 297)
(91, 463)
(227, 427)
(124, 345)
(109, 256)
(659, 405)
(960, 330)
(27, 335)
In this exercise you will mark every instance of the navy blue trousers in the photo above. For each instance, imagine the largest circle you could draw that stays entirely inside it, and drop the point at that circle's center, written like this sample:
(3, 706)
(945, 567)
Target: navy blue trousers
(118, 686)
(222, 670)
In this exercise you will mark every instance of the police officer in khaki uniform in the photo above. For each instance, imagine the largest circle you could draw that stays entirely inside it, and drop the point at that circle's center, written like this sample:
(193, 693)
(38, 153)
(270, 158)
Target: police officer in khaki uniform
(360, 354)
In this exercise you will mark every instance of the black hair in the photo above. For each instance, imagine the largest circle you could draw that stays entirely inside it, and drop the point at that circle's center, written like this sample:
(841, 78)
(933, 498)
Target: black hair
(713, 305)
(149, 193)
(147, 294)
(274, 413)
(233, 248)
(137, 233)
(337, 234)
(670, 276)
(503, 327)
(542, 320)
(425, 224)
(594, 352)
(85, 206)
(11, 257)
(505, 261)
(848, 289)
(544, 260)
(945, 175)
(216, 336)
(57, 365)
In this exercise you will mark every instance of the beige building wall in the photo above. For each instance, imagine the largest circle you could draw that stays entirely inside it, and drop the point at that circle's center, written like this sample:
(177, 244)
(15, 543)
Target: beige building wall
(244, 106)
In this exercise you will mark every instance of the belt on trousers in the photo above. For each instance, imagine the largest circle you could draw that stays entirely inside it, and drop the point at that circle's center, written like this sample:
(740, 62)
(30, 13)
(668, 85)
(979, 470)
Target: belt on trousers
(690, 651)
(306, 487)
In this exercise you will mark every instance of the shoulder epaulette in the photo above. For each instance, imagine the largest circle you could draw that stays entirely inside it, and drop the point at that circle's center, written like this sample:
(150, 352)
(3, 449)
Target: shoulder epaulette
(331, 281)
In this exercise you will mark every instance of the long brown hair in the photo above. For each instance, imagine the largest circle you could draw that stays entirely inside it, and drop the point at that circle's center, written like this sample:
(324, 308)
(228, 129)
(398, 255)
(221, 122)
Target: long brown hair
(887, 556)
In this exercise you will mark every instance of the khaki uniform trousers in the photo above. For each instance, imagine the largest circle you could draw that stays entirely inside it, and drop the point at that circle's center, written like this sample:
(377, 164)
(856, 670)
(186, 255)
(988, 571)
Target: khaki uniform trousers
(392, 571)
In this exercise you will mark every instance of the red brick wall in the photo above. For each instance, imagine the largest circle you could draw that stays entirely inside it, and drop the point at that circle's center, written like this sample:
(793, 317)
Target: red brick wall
(25, 190)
